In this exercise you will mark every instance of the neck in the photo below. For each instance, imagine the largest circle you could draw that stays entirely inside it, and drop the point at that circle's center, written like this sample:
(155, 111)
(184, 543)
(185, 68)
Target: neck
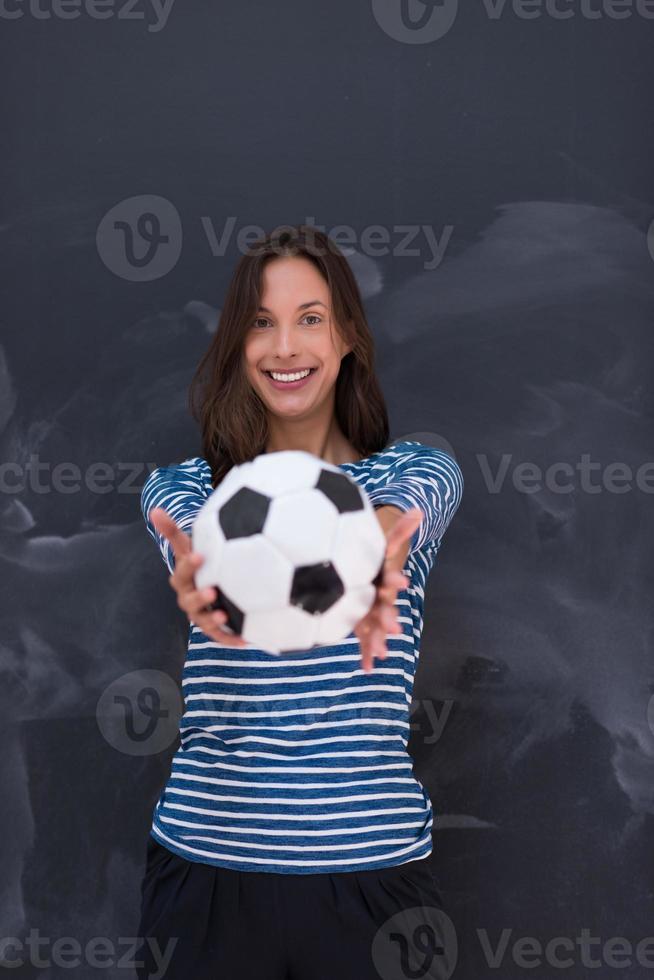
(322, 437)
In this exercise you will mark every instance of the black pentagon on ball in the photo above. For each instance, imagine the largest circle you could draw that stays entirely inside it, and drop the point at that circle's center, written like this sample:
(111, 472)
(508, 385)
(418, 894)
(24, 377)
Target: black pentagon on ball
(316, 588)
(235, 616)
(243, 514)
(339, 488)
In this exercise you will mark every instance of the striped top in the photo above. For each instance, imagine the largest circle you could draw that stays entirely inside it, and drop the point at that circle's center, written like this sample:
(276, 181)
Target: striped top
(299, 764)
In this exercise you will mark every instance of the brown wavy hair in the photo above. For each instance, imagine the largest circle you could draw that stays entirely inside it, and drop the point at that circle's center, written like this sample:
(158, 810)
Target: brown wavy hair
(232, 416)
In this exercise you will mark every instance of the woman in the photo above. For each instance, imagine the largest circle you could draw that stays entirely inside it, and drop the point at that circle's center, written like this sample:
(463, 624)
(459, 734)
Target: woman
(292, 828)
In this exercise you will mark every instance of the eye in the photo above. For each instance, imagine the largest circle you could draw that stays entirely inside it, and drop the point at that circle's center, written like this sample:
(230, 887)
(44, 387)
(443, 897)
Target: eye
(261, 322)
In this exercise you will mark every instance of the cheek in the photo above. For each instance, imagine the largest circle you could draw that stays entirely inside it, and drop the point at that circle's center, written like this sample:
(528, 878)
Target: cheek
(252, 354)
(333, 364)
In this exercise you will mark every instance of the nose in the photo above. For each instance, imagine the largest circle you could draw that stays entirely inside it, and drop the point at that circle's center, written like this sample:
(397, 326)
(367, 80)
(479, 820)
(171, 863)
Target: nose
(285, 341)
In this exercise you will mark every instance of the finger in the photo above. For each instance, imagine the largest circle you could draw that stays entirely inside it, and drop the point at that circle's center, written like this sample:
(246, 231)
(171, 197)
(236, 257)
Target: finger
(225, 638)
(183, 577)
(375, 638)
(366, 659)
(402, 530)
(379, 641)
(362, 632)
(393, 578)
(195, 601)
(212, 621)
(385, 614)
(180, 542)
(210, 624)
(387, 593)
(390, 620)
(371, 632)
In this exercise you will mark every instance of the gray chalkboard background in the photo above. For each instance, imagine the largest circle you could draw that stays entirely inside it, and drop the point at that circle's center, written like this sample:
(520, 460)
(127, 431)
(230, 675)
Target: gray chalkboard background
(491, 166)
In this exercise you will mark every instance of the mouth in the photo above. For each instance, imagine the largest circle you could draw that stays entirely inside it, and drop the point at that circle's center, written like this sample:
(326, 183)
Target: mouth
(290, 380)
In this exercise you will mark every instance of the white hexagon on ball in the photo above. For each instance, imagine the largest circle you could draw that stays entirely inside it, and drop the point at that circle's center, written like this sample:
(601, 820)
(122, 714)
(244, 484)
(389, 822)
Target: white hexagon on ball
(358, 542)
(255, 574)
(209, 541)
(295, 630)
(286, 471)
(345, 614)
(303, 526)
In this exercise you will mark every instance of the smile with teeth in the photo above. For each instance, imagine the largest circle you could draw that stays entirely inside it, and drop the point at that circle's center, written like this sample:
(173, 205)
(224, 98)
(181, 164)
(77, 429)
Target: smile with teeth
(289, 376)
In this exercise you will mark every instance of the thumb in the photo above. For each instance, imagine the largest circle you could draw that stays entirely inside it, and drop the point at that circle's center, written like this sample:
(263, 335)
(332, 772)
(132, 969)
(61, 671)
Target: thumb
(402, 530)
(180, 542)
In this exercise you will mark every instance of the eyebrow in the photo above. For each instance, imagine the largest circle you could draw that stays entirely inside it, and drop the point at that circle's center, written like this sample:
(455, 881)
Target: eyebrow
(302, 306)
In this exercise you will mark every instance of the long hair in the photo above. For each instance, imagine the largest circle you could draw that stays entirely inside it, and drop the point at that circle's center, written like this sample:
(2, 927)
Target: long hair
(232, 416)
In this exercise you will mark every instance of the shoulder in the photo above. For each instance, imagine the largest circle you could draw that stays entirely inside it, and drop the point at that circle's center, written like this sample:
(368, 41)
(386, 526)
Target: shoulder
(193, 474)
(405, 454)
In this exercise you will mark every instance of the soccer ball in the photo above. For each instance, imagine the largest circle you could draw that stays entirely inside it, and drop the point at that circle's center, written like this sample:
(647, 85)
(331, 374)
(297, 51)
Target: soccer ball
(295, 549)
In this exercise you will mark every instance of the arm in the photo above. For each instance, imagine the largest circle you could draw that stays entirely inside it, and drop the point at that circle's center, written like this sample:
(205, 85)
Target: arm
(419, 476)
(180, 492)
(388, 516)
(170, 500)
(419, 492)
(381, 619)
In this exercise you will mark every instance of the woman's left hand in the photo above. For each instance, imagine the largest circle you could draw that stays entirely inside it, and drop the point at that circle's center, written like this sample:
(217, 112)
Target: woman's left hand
(382, 617)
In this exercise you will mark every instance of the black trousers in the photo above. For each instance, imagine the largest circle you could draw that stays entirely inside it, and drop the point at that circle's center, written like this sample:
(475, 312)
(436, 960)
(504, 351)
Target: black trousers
(200, 922)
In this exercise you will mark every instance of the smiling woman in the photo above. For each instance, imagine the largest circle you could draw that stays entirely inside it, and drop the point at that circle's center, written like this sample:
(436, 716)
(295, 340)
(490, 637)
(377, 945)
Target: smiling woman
(296, 766)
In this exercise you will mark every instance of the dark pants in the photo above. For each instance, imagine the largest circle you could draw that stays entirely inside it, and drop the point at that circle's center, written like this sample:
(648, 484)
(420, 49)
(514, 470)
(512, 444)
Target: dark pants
(200, 922)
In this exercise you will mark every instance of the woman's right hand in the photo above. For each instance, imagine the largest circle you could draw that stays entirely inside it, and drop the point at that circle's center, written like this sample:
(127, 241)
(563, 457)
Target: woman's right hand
(192, 600)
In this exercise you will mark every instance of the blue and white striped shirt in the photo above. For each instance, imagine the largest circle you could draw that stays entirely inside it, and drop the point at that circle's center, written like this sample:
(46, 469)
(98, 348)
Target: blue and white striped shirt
(299, 764)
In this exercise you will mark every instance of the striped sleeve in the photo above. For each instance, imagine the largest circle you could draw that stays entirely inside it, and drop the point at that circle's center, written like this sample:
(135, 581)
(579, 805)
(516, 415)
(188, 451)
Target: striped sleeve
(180, 491)
(425, 477)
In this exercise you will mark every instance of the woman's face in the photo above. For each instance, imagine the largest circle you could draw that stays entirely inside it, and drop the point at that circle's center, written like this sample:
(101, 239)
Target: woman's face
(292, 331)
